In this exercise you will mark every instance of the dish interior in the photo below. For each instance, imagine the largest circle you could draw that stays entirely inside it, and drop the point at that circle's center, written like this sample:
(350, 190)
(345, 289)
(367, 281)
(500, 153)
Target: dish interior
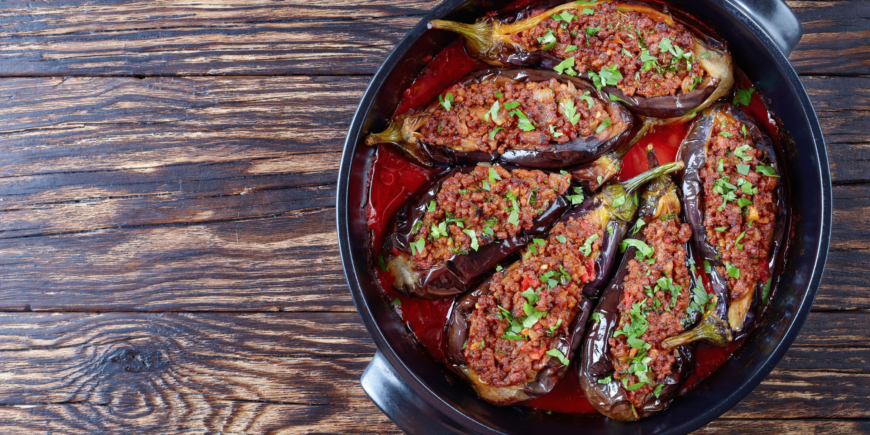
(712, 396)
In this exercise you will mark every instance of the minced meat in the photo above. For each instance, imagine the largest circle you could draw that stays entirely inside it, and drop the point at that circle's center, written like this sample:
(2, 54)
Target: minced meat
(529, 306)
(653, 306)
(740, 208)
(481, 207)
(526, 115)
(642, 49)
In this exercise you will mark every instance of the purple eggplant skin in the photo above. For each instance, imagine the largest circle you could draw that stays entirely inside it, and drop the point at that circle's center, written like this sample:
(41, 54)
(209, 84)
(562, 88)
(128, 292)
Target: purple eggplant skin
(740, 314)
(659, 198)
(611, 398)
(461, 272)
(608, 217)
(489, 39)
(403, 131)
(544, 382)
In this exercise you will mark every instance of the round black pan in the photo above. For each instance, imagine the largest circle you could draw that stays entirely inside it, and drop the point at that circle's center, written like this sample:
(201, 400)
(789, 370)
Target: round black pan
(416, 391)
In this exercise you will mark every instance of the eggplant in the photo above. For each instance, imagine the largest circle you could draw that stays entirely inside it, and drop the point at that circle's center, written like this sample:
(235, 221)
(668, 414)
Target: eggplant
(577, 31)
(542, 135)
(605, 385)
(596, 173)
(462, 270)
(587, 236)
(760, 217)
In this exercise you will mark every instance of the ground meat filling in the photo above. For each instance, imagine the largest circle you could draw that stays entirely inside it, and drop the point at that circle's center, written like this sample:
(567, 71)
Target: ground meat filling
(629, 49)
(492, 117)
(513, 329)
(481, 207)
(740, 207)
(653, 306)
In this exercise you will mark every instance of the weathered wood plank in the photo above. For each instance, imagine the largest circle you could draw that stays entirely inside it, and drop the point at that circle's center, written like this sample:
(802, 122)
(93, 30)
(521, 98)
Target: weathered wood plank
(174, 373)
(135, 37)
(122, 157)
(205, 371)
(834, 39)
(786, 427)
(289, 262)
(182, 415)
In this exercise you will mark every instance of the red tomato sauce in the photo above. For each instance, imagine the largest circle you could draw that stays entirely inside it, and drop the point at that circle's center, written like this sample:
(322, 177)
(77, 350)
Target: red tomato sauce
(394, 179)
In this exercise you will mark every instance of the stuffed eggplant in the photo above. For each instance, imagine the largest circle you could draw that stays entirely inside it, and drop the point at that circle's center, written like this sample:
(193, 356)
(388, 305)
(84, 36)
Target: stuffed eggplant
(526, 117)
(512, 338)
(635, 53)
(734, 202)
(625, 371)
(457, 228)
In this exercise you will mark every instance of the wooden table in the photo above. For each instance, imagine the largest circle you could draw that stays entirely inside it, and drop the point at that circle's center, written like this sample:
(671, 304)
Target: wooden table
(168, 253)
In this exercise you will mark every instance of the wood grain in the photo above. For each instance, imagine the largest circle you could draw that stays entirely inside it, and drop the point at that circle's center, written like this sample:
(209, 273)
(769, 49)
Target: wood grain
(167, 234)
(251, 373)
(217, 193)
(137, 37)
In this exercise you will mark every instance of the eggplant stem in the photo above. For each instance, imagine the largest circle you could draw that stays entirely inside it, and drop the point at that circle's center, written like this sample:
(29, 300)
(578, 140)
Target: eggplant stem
(711, 329)
(393, 134)
(644, 129)
(635, 183)
(478, 36)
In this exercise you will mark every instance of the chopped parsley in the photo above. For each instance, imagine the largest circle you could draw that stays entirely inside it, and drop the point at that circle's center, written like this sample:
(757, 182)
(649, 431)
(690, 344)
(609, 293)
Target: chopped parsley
(382, 264)
(446, 101)
(494, 131)
(471, 233)
(597, 317)
(743, 96)
(643, 250)
(398, 303)
(585, 97)
(555, 353)
(566, 66)
(493, 112)
(578, 196)
(743, 169)
(586, 249)
(618, 201)
(548, 41)
(766, 170)
(523, 121)
(555, 133)
(570, 111)
(602, 126)
(615, 98)
(564, 16)
(733, 272)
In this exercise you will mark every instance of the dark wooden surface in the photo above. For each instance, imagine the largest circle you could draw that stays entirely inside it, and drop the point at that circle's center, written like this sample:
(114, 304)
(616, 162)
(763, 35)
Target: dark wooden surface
(167, 244)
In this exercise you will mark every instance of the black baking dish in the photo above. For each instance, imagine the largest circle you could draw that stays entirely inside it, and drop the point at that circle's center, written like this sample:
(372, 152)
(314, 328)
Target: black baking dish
(413, 389)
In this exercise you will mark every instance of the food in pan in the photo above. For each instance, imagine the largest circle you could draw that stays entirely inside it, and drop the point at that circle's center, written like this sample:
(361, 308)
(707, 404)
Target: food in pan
(532, 253)
(513, 336)
(733, 197)
(639, 55)
(526, 117)
(457, 228)
(625, 370)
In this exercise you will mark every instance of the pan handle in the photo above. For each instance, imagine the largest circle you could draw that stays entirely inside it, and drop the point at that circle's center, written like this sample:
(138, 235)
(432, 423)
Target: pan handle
(777, 19)
(401, 403)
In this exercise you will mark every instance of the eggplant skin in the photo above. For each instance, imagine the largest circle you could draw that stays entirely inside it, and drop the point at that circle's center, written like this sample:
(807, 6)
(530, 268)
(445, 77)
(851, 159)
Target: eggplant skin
(611, 398)
(461, 272)
(693, 154)
(544, 382)
(403, 131)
